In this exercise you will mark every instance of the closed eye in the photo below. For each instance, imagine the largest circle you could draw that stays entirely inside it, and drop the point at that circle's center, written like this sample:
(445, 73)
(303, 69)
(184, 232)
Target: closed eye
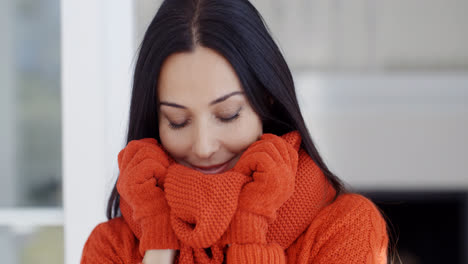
(178, 126)
(222, 119)
(229, 119)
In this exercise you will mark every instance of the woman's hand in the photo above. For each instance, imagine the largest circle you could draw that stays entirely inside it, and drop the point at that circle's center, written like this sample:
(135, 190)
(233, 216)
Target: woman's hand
(272, 163)
(143, 165)
(144, 154)
(159, 256)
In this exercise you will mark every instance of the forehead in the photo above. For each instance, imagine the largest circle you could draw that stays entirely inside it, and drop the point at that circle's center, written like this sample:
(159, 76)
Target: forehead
(201, 75)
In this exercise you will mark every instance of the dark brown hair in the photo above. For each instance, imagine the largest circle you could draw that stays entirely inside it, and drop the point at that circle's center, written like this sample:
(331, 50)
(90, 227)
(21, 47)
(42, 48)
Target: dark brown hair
(236, 30)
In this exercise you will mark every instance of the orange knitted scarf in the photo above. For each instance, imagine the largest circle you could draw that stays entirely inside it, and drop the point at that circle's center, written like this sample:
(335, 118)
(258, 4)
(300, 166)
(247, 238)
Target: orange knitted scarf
(202, 207)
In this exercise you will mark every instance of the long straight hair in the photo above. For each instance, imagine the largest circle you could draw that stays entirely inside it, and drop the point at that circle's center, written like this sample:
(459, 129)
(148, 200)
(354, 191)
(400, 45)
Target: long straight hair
(236, 30)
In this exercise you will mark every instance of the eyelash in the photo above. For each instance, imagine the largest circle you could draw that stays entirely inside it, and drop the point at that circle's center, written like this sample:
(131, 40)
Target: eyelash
(224, 120)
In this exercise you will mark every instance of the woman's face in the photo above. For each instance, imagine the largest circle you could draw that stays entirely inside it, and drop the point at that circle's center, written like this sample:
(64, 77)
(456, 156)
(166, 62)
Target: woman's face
(205, 120)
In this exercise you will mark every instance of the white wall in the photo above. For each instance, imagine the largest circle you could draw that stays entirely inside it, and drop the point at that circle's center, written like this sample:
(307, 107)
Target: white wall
(422, 34)
(390, 131)
(370, 35)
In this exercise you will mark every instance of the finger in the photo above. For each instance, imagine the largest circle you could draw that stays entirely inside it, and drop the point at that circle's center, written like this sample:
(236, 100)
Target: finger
(149, 152)
(243, 164)
(141, 173)
(271, 149)
(130, 150)
(126, 155)
(294, 156)
(268, 191)
(282, 147)
(248, 162)
(137, 157)
(268, 136)
(257, 196)
(120, 160)
(263, 162)
(151, 141)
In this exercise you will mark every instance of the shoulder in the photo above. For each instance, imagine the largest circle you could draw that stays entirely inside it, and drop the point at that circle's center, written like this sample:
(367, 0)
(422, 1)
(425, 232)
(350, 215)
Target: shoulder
(352, 206)
(114, 231)
(351, 228)
(352, 214)
(111, 242)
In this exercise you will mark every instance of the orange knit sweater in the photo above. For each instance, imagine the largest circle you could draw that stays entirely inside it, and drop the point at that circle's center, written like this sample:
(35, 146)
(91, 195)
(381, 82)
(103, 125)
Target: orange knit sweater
(309, 227)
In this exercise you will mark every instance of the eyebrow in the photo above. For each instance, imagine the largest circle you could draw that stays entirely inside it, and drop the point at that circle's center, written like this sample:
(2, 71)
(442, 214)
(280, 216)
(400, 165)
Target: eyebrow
(216, 101)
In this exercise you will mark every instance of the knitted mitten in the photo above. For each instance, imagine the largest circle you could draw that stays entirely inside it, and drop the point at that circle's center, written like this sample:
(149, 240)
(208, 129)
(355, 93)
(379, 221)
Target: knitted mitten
(143, 165)
(272, 162)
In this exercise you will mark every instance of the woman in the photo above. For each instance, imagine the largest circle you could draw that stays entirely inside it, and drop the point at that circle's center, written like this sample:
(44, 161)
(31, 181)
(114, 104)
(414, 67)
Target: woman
(219, 166)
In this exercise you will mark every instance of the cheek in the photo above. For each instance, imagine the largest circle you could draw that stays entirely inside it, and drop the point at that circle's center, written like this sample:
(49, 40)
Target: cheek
(239, 142)
(174, 141)
(242, 136)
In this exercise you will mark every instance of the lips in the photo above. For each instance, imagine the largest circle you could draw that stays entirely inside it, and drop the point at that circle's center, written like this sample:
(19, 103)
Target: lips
(212, 169)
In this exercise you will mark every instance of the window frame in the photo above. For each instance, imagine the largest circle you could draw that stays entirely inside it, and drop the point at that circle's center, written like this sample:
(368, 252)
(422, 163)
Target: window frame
(97, 52)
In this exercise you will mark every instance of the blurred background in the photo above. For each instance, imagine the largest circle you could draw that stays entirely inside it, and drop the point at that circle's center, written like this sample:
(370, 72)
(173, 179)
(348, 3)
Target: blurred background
(383, 86)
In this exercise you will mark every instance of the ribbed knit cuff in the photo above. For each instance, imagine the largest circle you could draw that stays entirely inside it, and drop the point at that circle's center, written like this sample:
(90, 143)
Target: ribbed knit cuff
(157, 234)
(247, 228)
(255, 254)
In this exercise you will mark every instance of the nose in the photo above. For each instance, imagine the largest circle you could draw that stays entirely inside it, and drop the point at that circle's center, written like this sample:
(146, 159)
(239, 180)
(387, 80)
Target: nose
(205, 142)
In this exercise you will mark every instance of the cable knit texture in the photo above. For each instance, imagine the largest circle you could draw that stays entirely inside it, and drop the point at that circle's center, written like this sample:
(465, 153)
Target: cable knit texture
(274, 206)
